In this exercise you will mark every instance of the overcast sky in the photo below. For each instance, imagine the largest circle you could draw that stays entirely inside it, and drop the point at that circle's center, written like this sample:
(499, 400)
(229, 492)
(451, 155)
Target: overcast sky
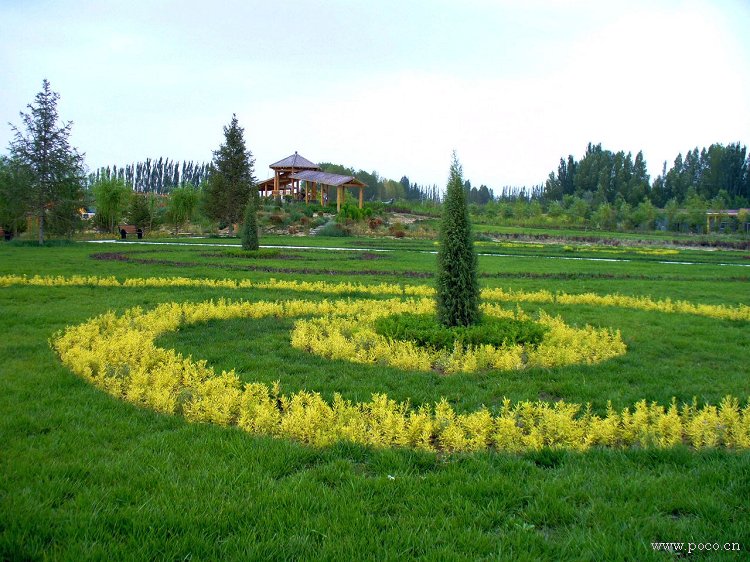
(392, 86)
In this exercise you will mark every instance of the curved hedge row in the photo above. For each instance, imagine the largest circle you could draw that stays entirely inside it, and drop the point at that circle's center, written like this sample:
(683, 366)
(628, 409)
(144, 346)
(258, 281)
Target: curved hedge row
(118, 355)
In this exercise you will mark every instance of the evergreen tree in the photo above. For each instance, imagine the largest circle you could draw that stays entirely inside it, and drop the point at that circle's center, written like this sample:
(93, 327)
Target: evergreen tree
(250, 225)
(457, 285)
(138, 211)
(15, 184)
(231, 182)
(55, 168)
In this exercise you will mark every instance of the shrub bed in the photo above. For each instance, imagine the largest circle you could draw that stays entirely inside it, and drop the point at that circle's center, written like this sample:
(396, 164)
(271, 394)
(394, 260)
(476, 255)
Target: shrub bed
(424, 330)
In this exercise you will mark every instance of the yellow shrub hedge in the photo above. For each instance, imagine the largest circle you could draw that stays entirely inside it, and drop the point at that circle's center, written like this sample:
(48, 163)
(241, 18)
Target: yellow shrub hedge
(118, 355)
(354, 339)
(741, 312)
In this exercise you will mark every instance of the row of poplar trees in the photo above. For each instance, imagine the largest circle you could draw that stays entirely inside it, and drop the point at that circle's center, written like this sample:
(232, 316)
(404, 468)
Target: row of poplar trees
(154, 176)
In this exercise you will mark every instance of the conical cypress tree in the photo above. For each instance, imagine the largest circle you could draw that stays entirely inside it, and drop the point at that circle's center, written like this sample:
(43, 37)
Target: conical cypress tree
(250, 225)
(457, 285)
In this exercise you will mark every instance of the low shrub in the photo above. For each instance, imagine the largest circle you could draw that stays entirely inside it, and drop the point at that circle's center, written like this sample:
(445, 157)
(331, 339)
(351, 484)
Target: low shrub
(334, 229)
(397, 229)
(49, 243)
(425, 330)
(262, 253)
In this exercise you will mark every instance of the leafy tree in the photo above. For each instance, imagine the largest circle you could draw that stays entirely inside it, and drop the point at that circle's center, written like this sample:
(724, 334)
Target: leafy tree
(231, 182)
(457, 285)
(15, 185)
(156, 210)
(64, 218)
(605, 217)
(520, 209)
(535, 209)
(111, 197)
(577, 208)
(249, 232)
(672, 214)
(555, 209)
(696, 208)
(182, 206)
(54, 167)
(644, 215)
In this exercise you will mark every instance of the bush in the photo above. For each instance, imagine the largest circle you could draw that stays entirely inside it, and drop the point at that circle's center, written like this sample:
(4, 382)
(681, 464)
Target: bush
(397, 229)
(424, 330)
(262, 253)
(334, 229)
(349, 211)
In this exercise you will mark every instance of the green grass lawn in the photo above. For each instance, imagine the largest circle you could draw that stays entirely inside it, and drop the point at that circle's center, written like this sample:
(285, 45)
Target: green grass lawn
(85, 476)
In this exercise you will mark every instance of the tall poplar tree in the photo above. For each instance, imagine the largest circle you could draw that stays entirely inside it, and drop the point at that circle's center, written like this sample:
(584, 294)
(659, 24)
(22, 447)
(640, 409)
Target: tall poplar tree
(231, 182)
(457, 285)
(55, 168)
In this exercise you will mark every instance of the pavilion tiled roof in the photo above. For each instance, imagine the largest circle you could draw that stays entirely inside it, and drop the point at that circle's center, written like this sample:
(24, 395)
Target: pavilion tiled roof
(325, 178)
(297, 162)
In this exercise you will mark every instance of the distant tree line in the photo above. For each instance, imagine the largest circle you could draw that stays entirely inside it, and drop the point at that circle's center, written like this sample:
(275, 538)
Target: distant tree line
(154, 176)
(718, 173)
(43, 182)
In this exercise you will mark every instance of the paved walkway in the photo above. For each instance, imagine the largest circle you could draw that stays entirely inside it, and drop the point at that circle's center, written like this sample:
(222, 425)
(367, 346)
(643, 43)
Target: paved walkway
(338, 249)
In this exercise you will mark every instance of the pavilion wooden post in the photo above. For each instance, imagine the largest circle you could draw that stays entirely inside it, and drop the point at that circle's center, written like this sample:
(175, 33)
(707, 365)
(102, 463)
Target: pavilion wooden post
(275, 184)
(361, 197)
(322, 189)
(339, 189)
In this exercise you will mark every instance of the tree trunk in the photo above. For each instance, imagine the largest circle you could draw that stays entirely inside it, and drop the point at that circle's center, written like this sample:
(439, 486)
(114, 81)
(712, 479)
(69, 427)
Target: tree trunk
(41, 228)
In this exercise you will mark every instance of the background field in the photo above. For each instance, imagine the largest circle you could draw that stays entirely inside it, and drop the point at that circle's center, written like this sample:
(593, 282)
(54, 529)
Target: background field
(85, 476)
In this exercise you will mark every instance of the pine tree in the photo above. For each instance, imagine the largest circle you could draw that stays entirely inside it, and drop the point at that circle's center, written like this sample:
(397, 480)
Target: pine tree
(15, 182)
(457, 285)
(54, 166)
(138, 211)
(231, 182)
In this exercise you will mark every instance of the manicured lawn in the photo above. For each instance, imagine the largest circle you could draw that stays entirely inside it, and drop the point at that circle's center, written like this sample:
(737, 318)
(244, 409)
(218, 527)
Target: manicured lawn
(85, 476)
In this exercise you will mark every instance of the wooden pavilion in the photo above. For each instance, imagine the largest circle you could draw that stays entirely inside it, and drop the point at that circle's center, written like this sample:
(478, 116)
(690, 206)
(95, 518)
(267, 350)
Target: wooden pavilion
(295, 175)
